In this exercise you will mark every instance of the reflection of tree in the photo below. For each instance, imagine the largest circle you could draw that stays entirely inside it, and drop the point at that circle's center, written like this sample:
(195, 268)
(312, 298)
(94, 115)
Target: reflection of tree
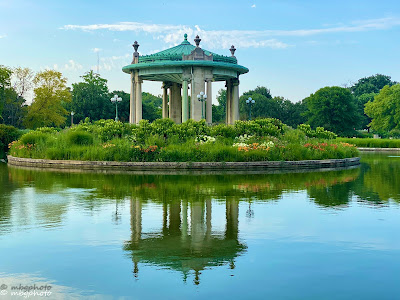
(185, 242)
(383, 176)
(7, 187)
(159, 188)
(335, 195)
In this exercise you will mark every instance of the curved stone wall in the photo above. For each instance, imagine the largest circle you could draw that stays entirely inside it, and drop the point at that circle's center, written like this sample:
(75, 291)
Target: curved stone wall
(77, 164)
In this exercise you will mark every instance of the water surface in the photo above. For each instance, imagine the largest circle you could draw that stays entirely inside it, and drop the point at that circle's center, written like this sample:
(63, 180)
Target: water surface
(312, 235)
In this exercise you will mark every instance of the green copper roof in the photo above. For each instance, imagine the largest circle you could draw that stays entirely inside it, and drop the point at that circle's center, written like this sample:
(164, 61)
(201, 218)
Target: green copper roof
(176, 53)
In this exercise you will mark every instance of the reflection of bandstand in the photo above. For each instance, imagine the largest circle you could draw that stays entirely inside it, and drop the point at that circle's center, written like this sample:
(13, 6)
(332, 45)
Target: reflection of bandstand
(184, 245)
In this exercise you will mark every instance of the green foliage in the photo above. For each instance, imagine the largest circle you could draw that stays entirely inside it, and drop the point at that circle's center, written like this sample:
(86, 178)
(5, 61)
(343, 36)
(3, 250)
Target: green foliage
(333, 108)
(163, 140)
(34, 138)
(8, 134)
(371, 84)
(219, 111)
(371, 143)
(385, 109)
(91, 98)
(50, 95)
(5, 84)
(80, 138)
(260, 127)
(319, 133)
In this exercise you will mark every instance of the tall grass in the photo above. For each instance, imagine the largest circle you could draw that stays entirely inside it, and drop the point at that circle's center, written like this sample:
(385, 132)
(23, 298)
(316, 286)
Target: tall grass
(165, 141)
(371, 143)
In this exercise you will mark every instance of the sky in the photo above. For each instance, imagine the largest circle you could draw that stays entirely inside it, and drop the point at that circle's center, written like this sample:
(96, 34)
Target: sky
(292, 47)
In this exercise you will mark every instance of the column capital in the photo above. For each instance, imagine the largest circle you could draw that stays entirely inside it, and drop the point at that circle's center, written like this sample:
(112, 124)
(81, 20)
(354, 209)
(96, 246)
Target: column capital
(235, 81)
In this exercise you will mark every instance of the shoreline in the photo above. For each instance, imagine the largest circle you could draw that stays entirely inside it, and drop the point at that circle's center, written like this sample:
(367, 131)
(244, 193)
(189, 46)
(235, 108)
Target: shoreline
(370, 149)
(107, 165)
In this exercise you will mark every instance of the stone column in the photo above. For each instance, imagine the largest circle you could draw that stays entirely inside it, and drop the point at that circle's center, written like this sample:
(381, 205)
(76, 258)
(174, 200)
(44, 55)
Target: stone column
(209, 102)
(185, 101)
(175, 103)
(235, 100)
(228, 107)
(165, 101)
(197, 87)
(132, 100)
(138, 98)
(171, 97)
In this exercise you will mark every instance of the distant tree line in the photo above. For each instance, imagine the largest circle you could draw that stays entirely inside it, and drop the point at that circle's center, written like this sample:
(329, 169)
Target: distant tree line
(372, 103)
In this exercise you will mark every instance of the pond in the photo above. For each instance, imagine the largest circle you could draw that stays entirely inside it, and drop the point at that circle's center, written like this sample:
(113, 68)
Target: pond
(311, 235)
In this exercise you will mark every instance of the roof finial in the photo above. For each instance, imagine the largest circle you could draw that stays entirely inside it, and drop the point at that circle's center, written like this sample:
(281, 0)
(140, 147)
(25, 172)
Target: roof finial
(197, 40)
(135, 46)
(233, 49)
(185, 36)
(135, 54)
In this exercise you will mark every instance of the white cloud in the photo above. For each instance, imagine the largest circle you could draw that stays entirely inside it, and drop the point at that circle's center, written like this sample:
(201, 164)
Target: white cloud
(95, 50)
(253, 6)
(218, 39)
(73, 66)
(3, 36)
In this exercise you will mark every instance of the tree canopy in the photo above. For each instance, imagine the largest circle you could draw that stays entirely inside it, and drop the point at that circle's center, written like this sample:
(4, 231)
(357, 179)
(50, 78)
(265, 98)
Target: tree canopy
(50, 94)
(371, 84)
(5, 84)
(333, 108)
(91, 98)
(384, 110)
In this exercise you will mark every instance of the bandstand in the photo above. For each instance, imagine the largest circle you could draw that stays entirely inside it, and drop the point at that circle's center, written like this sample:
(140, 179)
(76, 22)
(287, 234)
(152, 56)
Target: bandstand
(180, 69)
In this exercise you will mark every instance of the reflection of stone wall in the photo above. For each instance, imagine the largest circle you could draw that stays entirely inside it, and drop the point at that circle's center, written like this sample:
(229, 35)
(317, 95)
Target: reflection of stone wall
(75, 164)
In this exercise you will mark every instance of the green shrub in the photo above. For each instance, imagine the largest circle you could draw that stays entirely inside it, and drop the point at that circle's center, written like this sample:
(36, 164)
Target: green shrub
(80, 138)
(8, 134)
(319, 133)
(34, 138)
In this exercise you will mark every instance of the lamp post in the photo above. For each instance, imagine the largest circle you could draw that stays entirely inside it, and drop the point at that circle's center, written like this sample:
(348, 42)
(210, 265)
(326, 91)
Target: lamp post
(250, 102)
(72, 118)
(202, 98)
(115, 100)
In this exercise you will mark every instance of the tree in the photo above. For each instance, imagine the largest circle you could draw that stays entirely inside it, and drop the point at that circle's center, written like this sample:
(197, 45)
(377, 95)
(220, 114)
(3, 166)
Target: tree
(22, 79)
(50, 96)
(371, 84)
(333, 108)
(361, 101)
(365, 90)
(5, 84)
(14, 110)
(152, 106)
(91, 98)
(264, 105)
(385, 109)
(219, 111)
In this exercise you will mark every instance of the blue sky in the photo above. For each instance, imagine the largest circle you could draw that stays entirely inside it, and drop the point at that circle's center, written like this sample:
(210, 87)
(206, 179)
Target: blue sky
(292, 47)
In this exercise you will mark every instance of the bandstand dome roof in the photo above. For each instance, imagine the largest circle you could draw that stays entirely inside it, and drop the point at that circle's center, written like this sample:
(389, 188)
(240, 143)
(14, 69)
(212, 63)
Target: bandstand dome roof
(170, 64)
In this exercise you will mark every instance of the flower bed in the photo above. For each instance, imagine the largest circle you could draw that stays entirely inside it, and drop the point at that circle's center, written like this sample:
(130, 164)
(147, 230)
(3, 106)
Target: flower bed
(164, 141)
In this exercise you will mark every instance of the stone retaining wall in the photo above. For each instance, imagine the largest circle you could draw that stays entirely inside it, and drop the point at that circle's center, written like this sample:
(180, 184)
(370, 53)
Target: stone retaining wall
(104, 165)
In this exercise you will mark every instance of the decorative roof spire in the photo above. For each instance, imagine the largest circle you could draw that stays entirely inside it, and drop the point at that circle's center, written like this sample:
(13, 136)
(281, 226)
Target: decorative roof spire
(185, 36)
(135, 46)
(233, 49)
(197, 40)
(135, 54)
